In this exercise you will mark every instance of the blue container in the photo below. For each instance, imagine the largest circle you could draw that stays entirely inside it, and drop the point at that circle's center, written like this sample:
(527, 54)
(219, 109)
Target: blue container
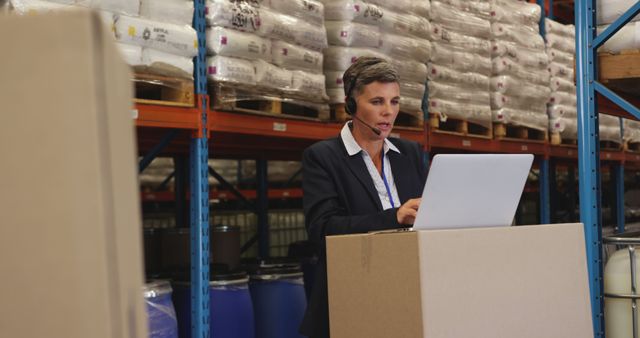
(279, 301)
(230, 307)
(160, 311)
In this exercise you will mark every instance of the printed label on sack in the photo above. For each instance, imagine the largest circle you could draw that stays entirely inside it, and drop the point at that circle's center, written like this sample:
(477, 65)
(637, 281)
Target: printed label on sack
(279, 126)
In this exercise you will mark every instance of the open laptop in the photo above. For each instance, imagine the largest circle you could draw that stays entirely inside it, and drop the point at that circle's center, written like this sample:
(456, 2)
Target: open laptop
(466, 191)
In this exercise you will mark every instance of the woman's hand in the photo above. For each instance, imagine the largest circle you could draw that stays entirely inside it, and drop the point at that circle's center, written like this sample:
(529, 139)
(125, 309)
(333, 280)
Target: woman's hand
(407, 212)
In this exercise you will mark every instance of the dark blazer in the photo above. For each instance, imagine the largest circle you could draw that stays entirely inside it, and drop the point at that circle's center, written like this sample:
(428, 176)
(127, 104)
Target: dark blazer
(340, 198)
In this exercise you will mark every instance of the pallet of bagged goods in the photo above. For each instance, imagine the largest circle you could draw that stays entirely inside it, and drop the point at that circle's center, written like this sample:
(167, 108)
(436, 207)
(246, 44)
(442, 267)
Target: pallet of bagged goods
(265, 58)
(520, 78)
(397, 31)
(155, 38)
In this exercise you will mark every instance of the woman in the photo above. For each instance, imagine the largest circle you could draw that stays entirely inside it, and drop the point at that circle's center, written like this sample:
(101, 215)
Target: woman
(362, 180)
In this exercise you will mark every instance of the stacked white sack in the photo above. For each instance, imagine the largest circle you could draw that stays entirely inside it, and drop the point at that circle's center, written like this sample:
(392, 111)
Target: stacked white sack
(153, 36)
(520, 82)
(562, 108)
(610, 128)
(274, 46)
(460, 68)
(396, 31)
(628, 37)
(631, 131)
(608, 11)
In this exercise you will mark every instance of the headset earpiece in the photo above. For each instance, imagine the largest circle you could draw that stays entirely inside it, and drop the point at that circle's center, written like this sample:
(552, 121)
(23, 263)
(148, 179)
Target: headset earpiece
(351, 105)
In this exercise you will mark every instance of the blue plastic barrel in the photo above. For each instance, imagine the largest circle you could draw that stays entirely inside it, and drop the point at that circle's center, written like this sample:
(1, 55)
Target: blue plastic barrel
(230, 307)
(160, 311)
(279, 301)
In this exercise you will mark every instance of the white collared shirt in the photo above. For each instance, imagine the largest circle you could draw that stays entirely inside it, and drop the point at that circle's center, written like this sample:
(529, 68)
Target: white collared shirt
(353, 148)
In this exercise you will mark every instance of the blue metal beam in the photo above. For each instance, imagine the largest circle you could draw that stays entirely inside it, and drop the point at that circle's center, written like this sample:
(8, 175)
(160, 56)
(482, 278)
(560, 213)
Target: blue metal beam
(616, 25)
(199, 156)
(618, 179)
(615, 98)
(155, 151)
(542, 17)
(262, 203)
(543, 180)
(589, 155)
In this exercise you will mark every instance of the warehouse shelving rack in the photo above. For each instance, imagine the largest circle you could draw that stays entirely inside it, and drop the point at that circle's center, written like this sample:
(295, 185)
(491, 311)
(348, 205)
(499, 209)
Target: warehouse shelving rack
(589, 90)
(172, 130)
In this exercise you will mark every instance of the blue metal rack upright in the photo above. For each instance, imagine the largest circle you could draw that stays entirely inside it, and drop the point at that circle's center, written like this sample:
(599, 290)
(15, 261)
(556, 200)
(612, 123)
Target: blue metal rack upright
(199, 185)
(587, 43)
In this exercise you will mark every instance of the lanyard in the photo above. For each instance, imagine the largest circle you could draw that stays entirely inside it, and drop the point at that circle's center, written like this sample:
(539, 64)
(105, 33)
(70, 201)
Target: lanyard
(386, 184)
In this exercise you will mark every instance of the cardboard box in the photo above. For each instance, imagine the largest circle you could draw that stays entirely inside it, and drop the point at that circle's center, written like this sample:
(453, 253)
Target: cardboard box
(528, 281)
(70, 240)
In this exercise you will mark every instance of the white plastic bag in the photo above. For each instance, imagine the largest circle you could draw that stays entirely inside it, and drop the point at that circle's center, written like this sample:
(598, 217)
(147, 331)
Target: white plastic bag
(525, 118)
(311, 11)
(516, 13)
(554, 27)
(231, 70)
(608, 11)
(412, 90)
(405, 47)
(309, 85)
(512, 86)
(336, 95)
(165, 64)
(559, 84)
(565, 44)
(479, 114)
(333, 79)
(522, 35)
(230, 42)
(237, 15)
(459, 59)
(449, 92)
(563, 99)
(294, 57)
(468, 43)
(132, 55)
(165, 37)
(179, 12)
(561, 71)
(628, 37)
(352, 34)
(524, 56)
(354, 10)
(340, 58)
(468, 80)
(273, 77)
(558, 56)
(506, 66)
(499, 101)
(409, 70)
(465, 23)
(393, 22)
(561, 111)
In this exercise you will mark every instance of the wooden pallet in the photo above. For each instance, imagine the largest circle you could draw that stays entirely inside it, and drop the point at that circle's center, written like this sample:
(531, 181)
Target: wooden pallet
(556, 139)
(164, 91)
(242, 101)
(509, 131)
(611, 145)
(631, 146)
(459, 127)
(621, 71)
